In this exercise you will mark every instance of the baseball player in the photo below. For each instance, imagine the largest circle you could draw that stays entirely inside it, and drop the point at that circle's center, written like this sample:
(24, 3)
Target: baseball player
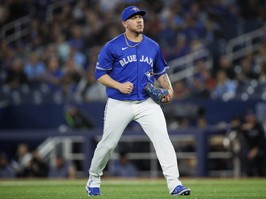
(126, 64)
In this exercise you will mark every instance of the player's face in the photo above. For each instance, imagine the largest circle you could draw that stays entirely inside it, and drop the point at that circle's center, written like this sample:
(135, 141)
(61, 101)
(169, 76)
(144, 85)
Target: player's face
(135, 24)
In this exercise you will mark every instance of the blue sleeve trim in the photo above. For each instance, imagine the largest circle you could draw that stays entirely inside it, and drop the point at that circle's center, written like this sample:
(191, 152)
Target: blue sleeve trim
(99, 72)
(99, 68)
(157, 75)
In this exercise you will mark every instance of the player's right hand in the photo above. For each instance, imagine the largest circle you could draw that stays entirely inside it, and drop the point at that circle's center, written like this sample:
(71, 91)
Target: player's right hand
(126, 87)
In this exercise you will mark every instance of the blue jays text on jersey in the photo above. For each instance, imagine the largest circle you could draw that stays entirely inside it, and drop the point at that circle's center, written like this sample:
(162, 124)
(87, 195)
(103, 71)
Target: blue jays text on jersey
(138, 65)
(133, 58)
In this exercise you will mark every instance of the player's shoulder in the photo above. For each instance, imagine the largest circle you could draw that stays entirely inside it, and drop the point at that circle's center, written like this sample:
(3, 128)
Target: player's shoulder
(116, 40)
(150, 41)
(112, 44)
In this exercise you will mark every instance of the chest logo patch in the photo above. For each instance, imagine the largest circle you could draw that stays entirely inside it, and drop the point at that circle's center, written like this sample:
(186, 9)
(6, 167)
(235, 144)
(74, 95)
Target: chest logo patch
(149, 74)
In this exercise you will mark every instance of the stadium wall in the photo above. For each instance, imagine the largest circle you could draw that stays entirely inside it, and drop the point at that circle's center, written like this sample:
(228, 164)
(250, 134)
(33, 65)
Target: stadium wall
(51, 115)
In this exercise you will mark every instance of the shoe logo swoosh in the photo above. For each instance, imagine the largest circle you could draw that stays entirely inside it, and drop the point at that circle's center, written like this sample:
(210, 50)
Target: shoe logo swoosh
(124, 48)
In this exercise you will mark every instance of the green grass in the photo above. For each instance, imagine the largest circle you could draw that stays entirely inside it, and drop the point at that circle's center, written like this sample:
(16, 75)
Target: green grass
(132, 189)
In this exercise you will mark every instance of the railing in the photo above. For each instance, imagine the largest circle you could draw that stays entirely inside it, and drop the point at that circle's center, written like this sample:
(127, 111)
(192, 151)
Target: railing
(19, 28)
(16, 29)
(236, 48)
(198, 137)
(183, 67)
(54, 6)
(245, 43)
(63, 144)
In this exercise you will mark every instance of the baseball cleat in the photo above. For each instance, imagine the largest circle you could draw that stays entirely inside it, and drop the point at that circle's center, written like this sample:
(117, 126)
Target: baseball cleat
(93, 191)
(181, 190)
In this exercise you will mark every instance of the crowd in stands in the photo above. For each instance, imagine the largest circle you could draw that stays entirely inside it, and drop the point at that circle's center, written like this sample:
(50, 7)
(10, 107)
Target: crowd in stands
(247, 140)
(58, 56)
(31, 164)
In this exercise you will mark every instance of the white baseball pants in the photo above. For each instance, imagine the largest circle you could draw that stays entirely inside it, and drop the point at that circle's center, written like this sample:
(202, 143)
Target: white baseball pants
(118, 114)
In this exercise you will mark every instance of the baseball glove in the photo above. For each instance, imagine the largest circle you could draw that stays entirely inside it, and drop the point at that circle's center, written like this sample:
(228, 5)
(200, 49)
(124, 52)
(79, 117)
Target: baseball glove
(159, 95)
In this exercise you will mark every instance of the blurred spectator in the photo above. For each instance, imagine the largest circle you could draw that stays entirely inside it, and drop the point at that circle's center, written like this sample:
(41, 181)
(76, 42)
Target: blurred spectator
(89, 89)
(261, 54)
(13, 10)
(62, 168)
(79, 10)
(181, 48)
(4, 14)
(171, 22)
(225, 64)
(196, 44)
(107, 6)
(211, 27)
(76, 41)
(253, 13)
(225, 88)
(6, 170)
(194, 28)
(262, 75)
(71, 78)
(15, 74)
(203, 83)
(94, 30)
(35, 35)
(78, 57)
(22, 160)
(37, 167)
(254, 136)
(245, 71)
(122, 167)
(50, 51)
(179, 122)
(232, 139)
(197, 11)
(76, 119)
(209, 80)
(184, 122)
(181, 91)
(62, 47)
(201, 122)
(54, 74)
(35, 69)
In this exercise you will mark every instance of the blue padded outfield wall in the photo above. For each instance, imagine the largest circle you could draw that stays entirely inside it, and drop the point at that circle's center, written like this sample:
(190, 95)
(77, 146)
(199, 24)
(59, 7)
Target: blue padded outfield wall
(45, 116)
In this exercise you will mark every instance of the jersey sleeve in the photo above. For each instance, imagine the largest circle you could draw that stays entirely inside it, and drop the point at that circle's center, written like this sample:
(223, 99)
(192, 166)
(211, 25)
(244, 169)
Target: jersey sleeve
(104, 62)
(160, 65)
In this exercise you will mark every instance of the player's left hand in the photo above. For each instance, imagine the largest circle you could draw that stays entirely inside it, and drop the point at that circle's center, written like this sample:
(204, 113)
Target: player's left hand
(159, 95)
(168, 98)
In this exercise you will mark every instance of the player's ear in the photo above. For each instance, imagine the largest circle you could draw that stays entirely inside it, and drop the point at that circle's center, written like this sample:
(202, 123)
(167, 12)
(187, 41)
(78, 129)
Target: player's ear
(124, 23)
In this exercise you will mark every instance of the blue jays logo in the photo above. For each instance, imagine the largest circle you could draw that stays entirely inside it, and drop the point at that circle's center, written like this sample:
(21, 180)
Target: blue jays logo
(149, 75)
(135, 9)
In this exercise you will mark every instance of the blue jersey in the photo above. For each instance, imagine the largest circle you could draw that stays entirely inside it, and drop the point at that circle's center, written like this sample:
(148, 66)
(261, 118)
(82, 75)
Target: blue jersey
(139, 65)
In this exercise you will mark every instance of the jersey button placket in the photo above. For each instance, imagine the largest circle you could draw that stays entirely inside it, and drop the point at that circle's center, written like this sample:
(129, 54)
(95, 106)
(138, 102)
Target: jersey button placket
(138, 72)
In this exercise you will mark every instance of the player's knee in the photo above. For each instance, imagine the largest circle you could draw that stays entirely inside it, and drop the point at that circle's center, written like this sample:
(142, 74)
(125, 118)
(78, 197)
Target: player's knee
(109, 148)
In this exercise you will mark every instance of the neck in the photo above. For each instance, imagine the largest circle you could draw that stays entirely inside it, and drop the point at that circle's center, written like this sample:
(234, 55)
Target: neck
(132, 36)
